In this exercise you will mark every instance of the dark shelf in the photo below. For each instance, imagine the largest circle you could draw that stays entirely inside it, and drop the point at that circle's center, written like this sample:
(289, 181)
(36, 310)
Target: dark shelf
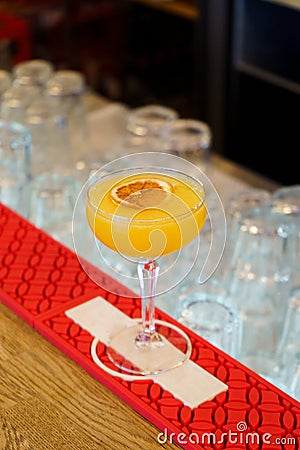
(265, 133)
(264, 89)
(267, 76)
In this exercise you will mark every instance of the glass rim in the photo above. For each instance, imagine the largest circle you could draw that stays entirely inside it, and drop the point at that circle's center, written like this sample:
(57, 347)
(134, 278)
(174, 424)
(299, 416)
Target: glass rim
(65, 82)
(187, 124)
(147, 170)
(36, 70)
(159, 110)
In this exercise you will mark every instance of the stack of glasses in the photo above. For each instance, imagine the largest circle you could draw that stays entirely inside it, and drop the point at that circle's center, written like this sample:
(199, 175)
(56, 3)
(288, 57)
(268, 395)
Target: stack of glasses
(43, 133)
(258, 278)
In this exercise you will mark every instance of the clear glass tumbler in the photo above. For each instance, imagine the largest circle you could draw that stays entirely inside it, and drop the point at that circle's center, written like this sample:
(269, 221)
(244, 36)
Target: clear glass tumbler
(34, 72)
(145, 129)
(238, 204)
(65, 91)
(206, 309)
(190, 138)
(151, 120)
(5, 81)
(15, 148)
(288, 351)
(258, 277)
(52, 202)
(50, 139)
(15, 101)
(286, 201)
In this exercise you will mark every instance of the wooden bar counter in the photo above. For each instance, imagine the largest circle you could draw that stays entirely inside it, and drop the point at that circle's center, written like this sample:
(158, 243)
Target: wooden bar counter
(48, 402)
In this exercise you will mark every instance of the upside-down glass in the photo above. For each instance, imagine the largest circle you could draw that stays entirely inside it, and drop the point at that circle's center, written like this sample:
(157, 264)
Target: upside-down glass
(145, 130)
(151, 120)
(238, 204)
(33, 72)
(286, 201)
(51, 151)
(288, 351)
(15, 149)
(258, 278)
(5, 81)
(190, 138)
(52, 200)
(15, 101)
(65, 92)
(207, 310)
(144, 207)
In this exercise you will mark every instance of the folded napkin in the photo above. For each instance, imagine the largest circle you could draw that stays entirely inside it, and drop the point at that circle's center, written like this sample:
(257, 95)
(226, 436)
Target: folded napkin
(189, 383)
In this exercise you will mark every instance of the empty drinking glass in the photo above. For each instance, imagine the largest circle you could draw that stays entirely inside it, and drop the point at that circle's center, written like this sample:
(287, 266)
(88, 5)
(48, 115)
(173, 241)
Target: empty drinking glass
(146, 129)
(15, 147)
(5, 81)
(258, 277)
(15, 101)
(50, 138)
(207, 310)
(65, 92)
(150, 120)
(286, 201)
(237, 204)
(242, 201)
(288, 351)
(190, 138)
(53, 198)
(34, 72)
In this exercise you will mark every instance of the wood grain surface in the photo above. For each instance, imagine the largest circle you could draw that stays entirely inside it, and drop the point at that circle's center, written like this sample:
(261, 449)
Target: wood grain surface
(47, 402)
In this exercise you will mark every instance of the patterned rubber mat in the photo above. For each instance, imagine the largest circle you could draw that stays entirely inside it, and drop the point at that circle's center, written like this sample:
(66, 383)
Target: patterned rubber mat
(40, 279)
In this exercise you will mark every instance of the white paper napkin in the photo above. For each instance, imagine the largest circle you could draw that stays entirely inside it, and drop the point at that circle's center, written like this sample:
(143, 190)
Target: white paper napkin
(189, 383)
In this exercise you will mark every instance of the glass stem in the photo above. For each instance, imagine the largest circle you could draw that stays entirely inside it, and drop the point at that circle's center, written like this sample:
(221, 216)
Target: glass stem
(147, 274)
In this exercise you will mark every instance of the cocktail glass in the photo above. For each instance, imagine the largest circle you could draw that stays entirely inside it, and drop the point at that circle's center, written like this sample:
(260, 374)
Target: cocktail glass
(146, 206)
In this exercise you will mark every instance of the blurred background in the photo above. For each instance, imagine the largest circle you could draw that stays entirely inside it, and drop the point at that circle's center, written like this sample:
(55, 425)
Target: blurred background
(233, 63)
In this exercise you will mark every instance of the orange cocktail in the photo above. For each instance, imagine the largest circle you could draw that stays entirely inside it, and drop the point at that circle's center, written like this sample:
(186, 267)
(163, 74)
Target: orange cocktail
(146, 215)
(144, 206)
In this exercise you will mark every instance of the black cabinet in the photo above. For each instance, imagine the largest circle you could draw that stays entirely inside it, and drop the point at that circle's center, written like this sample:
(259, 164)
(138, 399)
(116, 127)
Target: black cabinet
(249, 72)
(263, 104)
(160, 56)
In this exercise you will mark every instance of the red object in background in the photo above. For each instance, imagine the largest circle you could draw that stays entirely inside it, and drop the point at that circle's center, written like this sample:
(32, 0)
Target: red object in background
(18, 31)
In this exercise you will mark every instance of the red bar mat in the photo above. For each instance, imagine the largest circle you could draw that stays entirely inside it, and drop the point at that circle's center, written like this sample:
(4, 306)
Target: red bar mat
(37, 273)
(39, 276)
(251, 410)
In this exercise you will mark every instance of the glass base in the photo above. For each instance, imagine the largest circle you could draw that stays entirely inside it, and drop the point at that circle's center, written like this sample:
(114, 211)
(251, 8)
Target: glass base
(130, 357)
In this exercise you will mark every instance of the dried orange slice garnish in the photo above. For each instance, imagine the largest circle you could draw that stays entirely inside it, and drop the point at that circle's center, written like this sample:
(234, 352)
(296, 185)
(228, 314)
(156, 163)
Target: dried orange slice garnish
(141, 193)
